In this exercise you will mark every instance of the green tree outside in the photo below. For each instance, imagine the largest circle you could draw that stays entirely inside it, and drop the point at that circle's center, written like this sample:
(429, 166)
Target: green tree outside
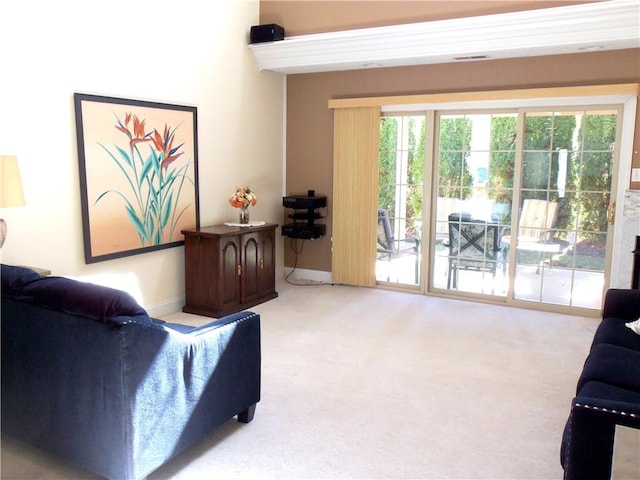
(416, 176)
(454, 178)
(589, 140)
(502, 160)
(597, 135)
(387, 168)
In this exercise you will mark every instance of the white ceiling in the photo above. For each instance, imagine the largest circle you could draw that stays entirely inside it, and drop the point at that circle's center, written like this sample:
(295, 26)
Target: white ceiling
(608, 25)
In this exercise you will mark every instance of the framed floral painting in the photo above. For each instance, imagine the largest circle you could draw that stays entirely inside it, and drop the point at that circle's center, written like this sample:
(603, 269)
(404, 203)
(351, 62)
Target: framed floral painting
(138, 164)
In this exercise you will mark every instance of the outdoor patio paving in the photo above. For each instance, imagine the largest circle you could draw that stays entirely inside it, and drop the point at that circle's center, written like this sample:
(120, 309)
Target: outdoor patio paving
(560, 286)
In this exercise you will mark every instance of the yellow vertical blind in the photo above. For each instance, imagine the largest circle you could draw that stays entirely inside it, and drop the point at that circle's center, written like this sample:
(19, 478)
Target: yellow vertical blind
(356, 137)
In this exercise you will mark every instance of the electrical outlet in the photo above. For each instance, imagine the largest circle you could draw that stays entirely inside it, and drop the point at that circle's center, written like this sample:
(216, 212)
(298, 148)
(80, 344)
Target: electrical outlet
(635, 174)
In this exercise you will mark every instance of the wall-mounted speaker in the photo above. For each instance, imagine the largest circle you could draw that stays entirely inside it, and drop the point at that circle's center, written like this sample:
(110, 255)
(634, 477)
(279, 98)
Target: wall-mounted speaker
(266, 33)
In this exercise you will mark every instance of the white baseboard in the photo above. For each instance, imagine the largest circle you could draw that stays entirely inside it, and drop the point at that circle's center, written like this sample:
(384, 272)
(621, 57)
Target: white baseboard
(161, 309)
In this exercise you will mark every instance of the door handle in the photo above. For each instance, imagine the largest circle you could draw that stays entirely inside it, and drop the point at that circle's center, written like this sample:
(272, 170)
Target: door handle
(611, 213)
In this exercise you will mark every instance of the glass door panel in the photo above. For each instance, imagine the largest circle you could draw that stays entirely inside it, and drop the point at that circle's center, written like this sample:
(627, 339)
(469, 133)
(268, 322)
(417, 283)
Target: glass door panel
(476, 158)
(552, 228)
(400, 199)
(567, 171)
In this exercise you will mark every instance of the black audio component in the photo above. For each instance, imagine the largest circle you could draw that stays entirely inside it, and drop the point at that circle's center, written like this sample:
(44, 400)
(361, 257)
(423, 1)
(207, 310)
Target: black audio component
(299, 202)
(266, 33)
(304, 216)
(305, 232)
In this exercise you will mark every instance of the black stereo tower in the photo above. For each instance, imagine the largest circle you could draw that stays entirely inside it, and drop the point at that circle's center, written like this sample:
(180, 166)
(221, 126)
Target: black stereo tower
(305, 213)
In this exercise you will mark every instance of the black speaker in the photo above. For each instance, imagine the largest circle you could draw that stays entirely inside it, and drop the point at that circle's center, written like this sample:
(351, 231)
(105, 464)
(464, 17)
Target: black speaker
(266, 33)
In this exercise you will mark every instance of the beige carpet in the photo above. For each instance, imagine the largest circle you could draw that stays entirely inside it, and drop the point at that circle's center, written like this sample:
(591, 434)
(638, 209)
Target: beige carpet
(371, 384)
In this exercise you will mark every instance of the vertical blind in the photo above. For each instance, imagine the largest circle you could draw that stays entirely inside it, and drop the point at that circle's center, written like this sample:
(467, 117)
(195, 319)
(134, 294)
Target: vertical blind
(356, 137)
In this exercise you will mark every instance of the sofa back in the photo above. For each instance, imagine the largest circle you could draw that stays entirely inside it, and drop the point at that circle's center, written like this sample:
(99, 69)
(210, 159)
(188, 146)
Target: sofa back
(71, 296)
(63, 346)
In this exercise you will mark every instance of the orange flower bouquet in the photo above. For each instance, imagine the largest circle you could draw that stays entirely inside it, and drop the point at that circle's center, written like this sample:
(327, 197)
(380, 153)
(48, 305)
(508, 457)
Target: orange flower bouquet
(243, 198)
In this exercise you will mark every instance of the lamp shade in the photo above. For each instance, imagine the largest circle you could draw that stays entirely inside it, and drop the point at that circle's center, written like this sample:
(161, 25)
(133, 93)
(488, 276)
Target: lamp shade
(11, 194)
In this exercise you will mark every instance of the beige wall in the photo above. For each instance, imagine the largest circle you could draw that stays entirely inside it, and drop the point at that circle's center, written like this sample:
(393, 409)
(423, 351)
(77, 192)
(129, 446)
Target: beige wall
(309, 145)
(192, 53)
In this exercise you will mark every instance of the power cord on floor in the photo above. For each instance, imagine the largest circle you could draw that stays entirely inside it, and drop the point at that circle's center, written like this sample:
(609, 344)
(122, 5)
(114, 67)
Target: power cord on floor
(293, 243)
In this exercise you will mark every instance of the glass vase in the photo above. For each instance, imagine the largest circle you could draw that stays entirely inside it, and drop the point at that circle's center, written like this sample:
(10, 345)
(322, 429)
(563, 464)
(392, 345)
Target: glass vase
(244, 216)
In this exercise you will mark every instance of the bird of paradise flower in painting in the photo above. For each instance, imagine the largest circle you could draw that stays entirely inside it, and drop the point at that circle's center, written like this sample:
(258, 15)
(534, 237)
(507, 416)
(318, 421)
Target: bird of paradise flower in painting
(156, 183)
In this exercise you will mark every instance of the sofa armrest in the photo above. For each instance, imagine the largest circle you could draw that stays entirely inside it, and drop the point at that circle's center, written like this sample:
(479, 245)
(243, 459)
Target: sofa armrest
(181, 382)
(14, 278)
(220, 322)
(212, 325)
(588, 438)
(620, 412)
(622, 303)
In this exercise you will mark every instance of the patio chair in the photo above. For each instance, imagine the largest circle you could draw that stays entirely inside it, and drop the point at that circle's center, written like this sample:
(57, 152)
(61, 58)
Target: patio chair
(535, 229)
(473, 245)
(391, 248)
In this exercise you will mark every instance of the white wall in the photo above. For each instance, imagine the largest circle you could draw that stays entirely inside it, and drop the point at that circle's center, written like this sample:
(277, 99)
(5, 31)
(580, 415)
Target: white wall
(186, 53)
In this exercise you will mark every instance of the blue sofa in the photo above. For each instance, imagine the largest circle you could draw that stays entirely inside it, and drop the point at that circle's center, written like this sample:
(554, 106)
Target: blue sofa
(88, 376)
(608, 391)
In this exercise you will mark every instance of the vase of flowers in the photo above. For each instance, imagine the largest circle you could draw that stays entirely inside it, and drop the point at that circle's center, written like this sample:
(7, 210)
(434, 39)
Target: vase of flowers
(243, 198)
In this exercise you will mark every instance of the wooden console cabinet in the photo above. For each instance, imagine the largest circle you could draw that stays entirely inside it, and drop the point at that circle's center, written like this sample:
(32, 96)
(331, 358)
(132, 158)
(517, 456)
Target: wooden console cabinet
(228, 269)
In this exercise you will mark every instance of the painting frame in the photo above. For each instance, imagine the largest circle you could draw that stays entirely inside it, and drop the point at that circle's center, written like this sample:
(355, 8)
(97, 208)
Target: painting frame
(138, 172)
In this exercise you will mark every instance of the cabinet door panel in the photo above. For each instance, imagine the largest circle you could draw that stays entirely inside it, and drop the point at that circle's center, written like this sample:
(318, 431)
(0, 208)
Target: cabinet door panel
(250, 265)
(267, 263)
(229, 268)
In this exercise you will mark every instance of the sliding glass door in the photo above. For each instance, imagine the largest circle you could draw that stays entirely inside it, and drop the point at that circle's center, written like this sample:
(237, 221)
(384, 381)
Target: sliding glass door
(522, 204)
(519, 206)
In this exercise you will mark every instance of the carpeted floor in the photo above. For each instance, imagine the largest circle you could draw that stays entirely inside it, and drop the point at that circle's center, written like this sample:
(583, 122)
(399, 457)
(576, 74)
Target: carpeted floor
(370, 384)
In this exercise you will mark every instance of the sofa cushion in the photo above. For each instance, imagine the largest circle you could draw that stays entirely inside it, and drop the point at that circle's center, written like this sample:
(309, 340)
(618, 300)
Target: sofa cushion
(613, 330)
(82, 298)
(595, 389)
(612, 364)
(14, 278)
